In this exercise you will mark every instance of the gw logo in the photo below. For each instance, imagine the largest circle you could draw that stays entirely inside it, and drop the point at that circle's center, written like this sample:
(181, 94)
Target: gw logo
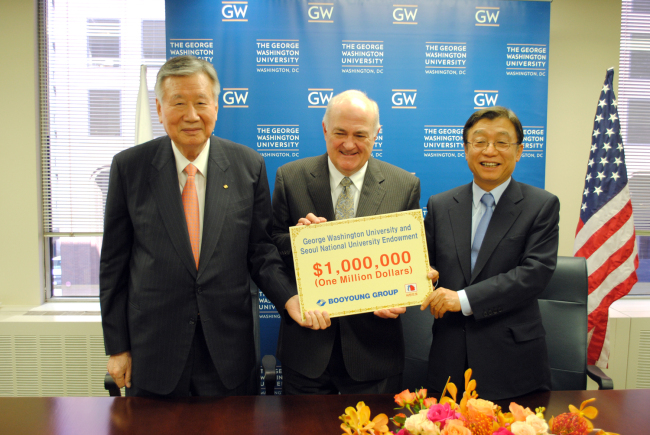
(319, 98)
(486, 16)
(235, 98)
(320, 12)
(233, 10)
(484, 99)
(404, 14)
(404, 98)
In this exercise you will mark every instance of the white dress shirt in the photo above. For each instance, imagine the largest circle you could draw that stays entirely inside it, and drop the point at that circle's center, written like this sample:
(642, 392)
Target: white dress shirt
(478, 210)
(355, 187)
(201, 163)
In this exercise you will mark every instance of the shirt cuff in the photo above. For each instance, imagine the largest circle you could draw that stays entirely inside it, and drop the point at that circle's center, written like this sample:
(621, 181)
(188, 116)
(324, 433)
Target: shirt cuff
(464, 303)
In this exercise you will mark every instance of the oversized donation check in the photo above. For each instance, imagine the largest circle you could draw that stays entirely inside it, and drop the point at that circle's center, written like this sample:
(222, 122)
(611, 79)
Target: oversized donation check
(364, 264)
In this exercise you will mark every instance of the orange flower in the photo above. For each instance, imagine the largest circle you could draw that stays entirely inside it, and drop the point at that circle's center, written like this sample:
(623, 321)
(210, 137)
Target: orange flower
(429, 402)
(588, 412)
(485, 407)
(455, 427)
(519, 413)
(421, 393)
(470, 391)
(405, 398)
(575, 422)
(481, 416)
(399, 419)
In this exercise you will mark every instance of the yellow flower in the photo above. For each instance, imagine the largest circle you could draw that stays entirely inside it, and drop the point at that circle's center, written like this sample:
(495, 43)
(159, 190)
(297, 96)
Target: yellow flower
(357, 421)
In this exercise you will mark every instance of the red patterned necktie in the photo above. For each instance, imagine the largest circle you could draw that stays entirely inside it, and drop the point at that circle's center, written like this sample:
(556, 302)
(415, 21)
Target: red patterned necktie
(191, 206)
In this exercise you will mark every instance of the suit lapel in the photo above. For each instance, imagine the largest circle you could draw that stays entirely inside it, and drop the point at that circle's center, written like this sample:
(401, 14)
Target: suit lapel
(167, 194)
(505, 214)
(318, 186)
(217, 199)
(460, 218)
(372, 192)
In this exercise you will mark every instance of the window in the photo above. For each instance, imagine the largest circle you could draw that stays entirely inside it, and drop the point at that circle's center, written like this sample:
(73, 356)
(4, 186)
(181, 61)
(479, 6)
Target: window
(104, 42)
(90, 57)
(153, 39)
(104, 112)
(634, 110)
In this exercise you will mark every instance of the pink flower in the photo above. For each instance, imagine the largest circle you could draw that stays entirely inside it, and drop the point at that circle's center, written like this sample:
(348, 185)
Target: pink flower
(403, 432)
(442, 413)
(502, 431)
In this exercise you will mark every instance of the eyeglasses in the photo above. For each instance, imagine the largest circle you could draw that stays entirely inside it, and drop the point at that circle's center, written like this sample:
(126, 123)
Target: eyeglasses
(482, 144)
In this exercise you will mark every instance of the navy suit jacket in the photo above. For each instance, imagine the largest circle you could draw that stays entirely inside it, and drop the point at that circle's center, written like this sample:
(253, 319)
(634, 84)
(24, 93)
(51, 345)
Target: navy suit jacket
(503, 342)
(373, 348)
(150, 290)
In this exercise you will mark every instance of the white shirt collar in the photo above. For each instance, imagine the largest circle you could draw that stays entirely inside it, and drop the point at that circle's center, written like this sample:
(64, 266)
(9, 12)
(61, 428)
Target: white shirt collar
(477, 192)
(336, 176)
(201, 161)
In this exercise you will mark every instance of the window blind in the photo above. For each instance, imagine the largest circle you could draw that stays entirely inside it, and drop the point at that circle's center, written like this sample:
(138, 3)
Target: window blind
(634, 106)
(90, 57)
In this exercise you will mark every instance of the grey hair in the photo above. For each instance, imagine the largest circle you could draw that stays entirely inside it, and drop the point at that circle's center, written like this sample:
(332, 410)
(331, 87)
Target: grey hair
(349, 95)
(186, 66)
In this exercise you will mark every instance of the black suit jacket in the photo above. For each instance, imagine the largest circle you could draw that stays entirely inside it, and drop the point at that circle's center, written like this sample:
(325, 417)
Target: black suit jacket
(373, 348)
(503, 342)
(150, 290)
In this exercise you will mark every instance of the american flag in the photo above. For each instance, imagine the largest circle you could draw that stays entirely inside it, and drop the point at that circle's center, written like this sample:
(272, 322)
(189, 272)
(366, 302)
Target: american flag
(605, 234)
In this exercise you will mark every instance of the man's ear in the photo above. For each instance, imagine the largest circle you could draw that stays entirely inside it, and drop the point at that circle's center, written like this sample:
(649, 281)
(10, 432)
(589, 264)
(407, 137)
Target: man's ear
(159, 110)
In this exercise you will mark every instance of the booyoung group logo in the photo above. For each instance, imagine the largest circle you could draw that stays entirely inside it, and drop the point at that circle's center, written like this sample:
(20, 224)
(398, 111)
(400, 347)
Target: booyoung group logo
(487, 16)
(235, 98)
(234, 10)
(405, 14)
(320, 12)
(321, 303)
(411, 289)
(404, 98)
(483, 99)
(318, 98)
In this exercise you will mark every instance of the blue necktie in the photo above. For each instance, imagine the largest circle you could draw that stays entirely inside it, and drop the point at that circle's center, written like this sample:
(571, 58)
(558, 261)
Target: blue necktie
(488, 200)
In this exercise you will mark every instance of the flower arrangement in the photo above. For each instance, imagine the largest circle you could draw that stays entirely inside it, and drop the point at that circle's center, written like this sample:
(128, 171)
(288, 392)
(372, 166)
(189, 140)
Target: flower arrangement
(472, 416)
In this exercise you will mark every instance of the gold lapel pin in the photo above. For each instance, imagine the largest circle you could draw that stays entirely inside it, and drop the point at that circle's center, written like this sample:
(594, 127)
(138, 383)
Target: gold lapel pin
(225, 186)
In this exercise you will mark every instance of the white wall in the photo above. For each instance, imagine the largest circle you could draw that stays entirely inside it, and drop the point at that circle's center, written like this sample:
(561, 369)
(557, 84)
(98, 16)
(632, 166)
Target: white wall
(21, 259)
(584, 43)
(585, 37)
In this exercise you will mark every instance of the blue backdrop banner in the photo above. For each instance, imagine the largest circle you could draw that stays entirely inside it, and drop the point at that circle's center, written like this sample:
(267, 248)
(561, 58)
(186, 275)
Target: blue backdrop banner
(428, 64)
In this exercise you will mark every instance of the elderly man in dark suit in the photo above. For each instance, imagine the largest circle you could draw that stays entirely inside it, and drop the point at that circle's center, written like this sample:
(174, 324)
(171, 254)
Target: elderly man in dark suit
(494, 242)
(187, 224)
(363, 353)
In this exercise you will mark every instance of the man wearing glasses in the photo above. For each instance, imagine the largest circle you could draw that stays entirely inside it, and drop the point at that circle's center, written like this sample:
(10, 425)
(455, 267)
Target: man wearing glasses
(494, 242)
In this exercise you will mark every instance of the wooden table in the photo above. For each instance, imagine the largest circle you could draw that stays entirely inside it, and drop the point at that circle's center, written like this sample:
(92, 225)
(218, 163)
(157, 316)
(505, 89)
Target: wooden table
(626, 412)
